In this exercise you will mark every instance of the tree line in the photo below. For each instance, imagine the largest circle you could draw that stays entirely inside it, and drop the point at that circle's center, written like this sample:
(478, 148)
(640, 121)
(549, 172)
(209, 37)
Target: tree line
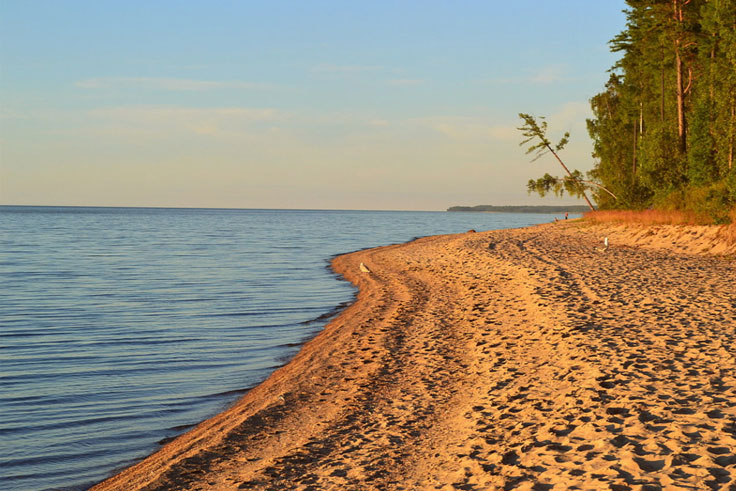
(521, 208)
(664, 127)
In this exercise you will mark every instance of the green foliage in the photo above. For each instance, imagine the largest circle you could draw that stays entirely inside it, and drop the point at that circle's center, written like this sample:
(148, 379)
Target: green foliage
(730, 182)
(558, 185)
(712, 202)
(617, 163)
(534, 131)
(535, 135)
(678, 58)
(662, 165)
(702, 167)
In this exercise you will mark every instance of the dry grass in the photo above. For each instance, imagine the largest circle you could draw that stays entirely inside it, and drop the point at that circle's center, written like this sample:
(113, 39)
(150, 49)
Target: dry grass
(659, 217)
(645, 217)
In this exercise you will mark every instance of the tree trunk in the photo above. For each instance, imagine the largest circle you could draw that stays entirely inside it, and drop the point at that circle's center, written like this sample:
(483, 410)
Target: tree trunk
(661, 90)
(681, 122)
(633, 168)
(585, 196)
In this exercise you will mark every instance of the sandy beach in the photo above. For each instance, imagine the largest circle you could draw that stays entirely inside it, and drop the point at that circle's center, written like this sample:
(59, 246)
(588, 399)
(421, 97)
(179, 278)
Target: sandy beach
(511, 359)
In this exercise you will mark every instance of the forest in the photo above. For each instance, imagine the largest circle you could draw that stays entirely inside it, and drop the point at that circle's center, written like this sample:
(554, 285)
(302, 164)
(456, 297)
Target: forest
(664, 127)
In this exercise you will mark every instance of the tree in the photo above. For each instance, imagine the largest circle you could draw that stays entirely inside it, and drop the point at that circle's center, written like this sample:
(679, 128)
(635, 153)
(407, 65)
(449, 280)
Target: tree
(616, 130)
(664, 128)
(534, 131)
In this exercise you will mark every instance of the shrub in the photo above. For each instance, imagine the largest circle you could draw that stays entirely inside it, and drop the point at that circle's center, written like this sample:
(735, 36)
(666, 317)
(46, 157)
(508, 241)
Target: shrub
(712, 201)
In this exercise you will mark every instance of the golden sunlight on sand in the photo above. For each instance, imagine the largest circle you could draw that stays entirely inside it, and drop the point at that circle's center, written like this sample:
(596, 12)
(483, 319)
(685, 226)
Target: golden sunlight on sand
(512, 359)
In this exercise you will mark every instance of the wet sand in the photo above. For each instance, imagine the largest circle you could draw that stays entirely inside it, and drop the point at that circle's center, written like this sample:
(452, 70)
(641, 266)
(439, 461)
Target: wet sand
(512, 359)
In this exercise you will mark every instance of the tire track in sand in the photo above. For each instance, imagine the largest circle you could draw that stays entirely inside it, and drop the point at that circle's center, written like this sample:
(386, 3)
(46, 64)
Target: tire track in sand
(518, 359)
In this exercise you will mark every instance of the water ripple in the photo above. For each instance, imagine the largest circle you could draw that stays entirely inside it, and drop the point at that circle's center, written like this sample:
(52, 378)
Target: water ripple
(123, 327)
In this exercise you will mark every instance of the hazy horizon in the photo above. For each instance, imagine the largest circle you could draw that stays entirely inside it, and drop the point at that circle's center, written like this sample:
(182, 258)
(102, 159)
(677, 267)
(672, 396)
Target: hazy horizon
(3, 205)
(285, 105)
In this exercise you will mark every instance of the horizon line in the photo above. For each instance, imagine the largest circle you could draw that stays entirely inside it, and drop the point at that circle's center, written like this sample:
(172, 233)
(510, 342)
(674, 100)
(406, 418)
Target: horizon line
(143, 207)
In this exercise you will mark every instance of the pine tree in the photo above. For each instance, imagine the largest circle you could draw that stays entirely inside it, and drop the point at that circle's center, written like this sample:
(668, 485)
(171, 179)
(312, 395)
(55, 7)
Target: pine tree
(536, 134)
(664, 128)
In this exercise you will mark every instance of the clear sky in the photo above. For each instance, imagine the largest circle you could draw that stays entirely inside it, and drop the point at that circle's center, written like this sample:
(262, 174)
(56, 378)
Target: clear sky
(407, 105)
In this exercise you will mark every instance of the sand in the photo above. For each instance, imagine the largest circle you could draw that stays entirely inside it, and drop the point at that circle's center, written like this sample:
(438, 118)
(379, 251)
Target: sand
(513, 359)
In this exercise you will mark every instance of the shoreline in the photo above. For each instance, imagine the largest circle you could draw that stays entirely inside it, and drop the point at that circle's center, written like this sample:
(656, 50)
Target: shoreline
(455, 367)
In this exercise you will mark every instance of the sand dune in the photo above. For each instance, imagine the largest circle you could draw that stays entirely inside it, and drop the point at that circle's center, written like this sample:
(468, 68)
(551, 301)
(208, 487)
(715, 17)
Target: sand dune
(513, 359)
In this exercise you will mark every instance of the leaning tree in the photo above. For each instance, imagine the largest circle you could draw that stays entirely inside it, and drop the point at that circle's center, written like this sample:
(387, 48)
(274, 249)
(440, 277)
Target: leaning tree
(536, 134)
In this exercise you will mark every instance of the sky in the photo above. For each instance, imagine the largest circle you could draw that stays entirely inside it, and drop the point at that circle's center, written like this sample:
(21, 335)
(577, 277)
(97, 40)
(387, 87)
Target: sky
(381, 105)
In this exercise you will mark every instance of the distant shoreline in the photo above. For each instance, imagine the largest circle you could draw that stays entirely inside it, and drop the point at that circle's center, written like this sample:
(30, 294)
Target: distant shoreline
(521, 209)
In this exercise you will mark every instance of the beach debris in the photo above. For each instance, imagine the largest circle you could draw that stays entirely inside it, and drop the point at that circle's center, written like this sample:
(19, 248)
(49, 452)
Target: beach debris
(364, 268)
(471, 231)
(605, 246)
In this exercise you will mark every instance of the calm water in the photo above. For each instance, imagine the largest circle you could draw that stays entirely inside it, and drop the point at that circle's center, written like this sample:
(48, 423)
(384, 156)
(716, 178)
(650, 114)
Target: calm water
(122, 327)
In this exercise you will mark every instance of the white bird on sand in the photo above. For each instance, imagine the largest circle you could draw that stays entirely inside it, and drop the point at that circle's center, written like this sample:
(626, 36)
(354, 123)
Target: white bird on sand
(605, 245)
(364, 268)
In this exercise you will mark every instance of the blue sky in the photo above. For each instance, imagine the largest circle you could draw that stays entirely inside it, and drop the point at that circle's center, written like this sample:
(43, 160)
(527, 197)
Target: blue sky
(355, 105)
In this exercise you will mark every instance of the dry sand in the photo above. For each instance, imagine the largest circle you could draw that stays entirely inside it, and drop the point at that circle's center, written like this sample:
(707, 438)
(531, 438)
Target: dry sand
(513, 359)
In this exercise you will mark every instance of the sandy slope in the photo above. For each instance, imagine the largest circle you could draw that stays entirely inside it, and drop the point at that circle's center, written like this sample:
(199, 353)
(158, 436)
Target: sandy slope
(517, 359)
